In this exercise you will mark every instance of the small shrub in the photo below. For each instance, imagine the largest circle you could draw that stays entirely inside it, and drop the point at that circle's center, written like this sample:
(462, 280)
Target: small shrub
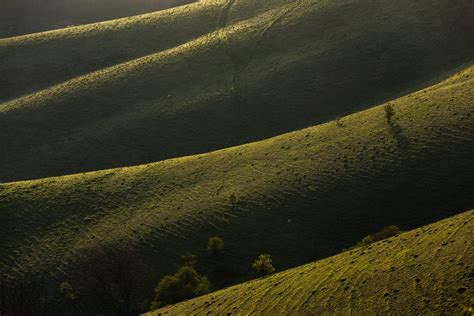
(184, 285)
(215, 245)
(233, 198)
(389, 113)
(67, 291)
(263, 265)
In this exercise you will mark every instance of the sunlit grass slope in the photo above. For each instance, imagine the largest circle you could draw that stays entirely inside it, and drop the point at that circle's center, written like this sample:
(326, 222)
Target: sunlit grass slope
(299, 196)
(19, 17)
(424, 271)
(211, 75)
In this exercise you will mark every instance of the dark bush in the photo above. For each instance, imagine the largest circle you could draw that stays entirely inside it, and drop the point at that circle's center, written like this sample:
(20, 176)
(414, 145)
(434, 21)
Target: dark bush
(263, 265)
(215, 245)
(389, 113)
(386, 232)
(185, 284)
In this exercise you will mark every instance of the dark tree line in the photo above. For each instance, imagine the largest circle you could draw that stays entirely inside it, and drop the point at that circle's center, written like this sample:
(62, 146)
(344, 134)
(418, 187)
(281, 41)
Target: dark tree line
(22, 297)
(101, 279)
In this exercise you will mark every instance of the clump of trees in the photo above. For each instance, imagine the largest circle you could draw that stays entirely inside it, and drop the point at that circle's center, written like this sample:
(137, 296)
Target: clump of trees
(263, 265)
(185, 284)
(215, 245)
(111, 279)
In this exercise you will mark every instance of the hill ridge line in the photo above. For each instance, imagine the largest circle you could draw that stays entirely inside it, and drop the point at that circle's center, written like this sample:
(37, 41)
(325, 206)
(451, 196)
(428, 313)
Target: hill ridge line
(453, 80)
(96, 77)
(342, 284)
(114, 23)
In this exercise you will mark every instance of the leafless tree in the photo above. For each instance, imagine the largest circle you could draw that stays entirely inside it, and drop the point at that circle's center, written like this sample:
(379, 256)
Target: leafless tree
(108, 277)
(22, 297)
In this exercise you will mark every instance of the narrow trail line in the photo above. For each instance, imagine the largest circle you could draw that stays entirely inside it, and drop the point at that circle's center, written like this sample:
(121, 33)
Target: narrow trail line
(238, 66)
(236, 81)
(224, 19)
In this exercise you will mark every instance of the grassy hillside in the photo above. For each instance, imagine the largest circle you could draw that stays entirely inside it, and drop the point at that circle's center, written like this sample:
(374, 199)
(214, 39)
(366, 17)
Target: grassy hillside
(424, 271)
(211, 75)
(19, 17)
(355, 175)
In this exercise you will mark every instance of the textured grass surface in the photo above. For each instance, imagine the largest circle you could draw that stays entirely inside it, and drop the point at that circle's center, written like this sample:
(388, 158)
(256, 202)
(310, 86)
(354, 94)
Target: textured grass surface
(425, 271)
(211, 75)
(19, 17)
(354, 175)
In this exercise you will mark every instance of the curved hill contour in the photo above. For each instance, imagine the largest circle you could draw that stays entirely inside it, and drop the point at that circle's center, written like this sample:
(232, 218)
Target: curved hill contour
(424, 271)
(392, 169)
(19, 17)
(212, 75)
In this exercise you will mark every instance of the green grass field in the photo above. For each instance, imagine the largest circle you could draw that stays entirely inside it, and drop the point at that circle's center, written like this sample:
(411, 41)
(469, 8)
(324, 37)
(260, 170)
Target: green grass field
(19, 17)
(293, 128)
(212, 75)
(354, 175)
(425, 271)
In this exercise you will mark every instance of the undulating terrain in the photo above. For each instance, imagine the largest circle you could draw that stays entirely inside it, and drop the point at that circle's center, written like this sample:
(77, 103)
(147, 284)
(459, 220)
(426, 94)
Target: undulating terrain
(408, 171)
(293, 128)
(212, 75)
(425, 271)
(19, 17)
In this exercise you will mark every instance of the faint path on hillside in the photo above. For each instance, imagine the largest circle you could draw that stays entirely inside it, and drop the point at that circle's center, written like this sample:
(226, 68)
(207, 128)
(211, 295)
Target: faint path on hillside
(240, 66)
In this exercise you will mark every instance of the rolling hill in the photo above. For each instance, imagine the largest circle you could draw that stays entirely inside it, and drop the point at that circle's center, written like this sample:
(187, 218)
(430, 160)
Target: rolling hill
(407, 162)
(211, 75)
(425, 271)
(20, 17)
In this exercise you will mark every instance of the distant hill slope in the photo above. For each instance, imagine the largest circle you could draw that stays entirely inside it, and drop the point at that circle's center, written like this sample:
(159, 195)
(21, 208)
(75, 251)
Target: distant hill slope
(354, 175)
(212, 75)
(20, 17)
(427, 270)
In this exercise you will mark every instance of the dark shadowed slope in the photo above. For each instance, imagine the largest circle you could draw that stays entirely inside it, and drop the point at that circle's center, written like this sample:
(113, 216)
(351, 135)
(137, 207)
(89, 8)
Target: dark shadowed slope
(425, 271)
(20, 17)
(215, 74)
(336, 182)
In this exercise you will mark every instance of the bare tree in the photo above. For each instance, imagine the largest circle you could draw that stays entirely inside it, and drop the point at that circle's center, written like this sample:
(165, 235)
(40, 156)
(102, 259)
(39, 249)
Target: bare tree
(22, 297)
(108, 278)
